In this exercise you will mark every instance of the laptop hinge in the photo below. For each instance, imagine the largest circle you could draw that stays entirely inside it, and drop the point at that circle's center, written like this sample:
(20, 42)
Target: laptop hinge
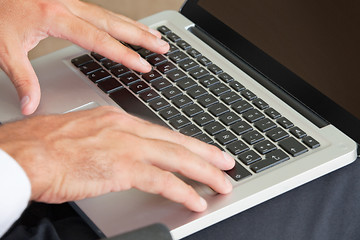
(263, 80)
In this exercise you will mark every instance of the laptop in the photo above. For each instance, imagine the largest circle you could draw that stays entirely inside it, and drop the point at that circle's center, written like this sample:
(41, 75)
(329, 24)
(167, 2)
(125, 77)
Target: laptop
(272, 83)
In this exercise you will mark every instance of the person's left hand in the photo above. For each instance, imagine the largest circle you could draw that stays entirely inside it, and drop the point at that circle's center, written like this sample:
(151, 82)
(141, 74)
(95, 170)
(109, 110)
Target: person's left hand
(24, 23)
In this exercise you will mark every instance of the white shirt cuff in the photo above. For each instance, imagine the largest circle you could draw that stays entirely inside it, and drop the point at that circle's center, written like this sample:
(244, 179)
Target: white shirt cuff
(15, 190)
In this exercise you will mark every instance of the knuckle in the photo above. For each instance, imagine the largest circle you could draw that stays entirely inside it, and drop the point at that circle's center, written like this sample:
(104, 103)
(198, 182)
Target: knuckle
(101, 38)
(50, 9)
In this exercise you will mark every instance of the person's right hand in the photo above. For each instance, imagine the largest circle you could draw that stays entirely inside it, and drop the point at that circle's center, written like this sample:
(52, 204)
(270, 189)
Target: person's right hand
(84, 154)
(23, 23)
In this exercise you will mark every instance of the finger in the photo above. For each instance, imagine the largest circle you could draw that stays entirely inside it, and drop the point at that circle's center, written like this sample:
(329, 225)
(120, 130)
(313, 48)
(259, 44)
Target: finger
(176, 158)
(146, 129)
(91, 38)
(122, 28)
(153, 180)
(15, 63)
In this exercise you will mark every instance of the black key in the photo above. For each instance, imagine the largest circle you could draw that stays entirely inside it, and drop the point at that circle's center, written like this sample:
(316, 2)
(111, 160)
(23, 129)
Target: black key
(89, 68)
(311, 142)
(173, 37)
(120, 70)
(229, 118)
(163, 29)
(98, 56)
(179, 122)
(145, 53)
(192, 110)
(161, 84)
(177, 57)
(292, 146)
(129, 79)
(237, 86)
(175, 75)
(264, 147)
(108, 64)
(241, 106)
(297, 132)
(207, 100)
(225, 137)
(252, 137)
(208, 81)
(249, 95)
(151, 76)
(186, 83)
(135, 47)
(253, 115)
(238, 172)
(172, 49)
(182, 101)
(241, 127)
(99, 75)
(139, 87)
(214, 69)
(249, 157)
(214, 128)
(156, 59)
(171, 92)
(230, 98)
(196, 92)
(166, 67)
(109, 85)
(204, 138)
(203, 118)
(285, 123)
(204, 60)
(237, 147)
(277, 134)
(219, 89)
(188, 65)
(271, 159)
(131, 104)
(261, 104)
(218, 109)
(198, 73)
(169, 113)
(159, 104)
(148, 96)
(265, 125)
(226, 77)
(193, 52)
(191, 130)
(82, 60)
(183, 45)
(272, 113)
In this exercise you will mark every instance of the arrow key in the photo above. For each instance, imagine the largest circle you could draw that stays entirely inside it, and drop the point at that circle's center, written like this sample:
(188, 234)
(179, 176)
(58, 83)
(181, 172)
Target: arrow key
(293, 147)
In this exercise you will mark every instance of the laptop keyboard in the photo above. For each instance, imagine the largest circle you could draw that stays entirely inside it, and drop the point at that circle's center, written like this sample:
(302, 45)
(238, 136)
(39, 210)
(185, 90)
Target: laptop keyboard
(197, 98)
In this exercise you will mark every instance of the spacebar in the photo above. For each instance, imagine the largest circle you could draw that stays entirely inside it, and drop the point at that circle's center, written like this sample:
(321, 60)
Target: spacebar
(132, 105)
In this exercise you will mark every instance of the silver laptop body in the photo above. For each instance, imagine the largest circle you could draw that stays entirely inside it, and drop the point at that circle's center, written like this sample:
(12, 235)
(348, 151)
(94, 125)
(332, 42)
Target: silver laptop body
(65, 88)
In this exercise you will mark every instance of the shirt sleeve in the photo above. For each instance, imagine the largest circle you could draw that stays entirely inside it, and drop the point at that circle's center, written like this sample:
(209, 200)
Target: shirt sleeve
(15, 191)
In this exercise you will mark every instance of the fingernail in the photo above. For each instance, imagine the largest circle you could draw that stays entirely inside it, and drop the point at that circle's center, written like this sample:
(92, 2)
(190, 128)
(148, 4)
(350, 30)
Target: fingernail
(24, 101)
(162, 43)
(154, 32)
(203, 203)
(228, 185)
(144, 62)
(228, 158)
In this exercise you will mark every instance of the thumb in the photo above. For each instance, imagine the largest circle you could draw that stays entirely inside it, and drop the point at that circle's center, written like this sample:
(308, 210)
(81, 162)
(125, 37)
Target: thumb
(17, 66)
